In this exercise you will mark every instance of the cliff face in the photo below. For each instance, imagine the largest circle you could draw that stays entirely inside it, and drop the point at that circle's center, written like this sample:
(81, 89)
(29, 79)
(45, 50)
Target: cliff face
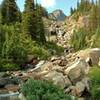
(57, 15)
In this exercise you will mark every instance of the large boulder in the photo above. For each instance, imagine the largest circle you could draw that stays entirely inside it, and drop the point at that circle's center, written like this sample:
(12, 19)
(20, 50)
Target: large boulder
(86, 82)
(2, 74)
(80, 86)
(58, 79)
(12, 87)
(77, 71)
(92, 56)
(6, 81)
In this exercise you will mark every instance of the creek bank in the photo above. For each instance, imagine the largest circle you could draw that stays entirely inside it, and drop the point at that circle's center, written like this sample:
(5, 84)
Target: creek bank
(68, 71)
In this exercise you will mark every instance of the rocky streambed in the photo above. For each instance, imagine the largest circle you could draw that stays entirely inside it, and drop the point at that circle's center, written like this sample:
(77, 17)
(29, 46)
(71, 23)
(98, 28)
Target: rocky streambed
(9, 96)
(69, 71)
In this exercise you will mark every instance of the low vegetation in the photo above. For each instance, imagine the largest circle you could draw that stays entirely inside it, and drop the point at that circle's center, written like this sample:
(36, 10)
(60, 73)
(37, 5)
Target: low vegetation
(82, 39)
(78, 40)
(88, 36)
(95, 83)
(43, 90)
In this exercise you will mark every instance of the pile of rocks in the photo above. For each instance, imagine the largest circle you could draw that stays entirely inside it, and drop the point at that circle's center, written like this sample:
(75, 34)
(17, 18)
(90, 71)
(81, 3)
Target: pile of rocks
(68, 72)
(70, 78)
(61, 31)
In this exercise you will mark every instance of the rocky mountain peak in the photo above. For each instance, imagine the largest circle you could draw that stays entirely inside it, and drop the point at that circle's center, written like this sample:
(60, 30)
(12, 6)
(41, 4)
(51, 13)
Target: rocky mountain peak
(57, 15)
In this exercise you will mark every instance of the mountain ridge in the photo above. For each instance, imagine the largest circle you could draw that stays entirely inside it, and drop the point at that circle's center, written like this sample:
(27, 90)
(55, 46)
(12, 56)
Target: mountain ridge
(57, 15)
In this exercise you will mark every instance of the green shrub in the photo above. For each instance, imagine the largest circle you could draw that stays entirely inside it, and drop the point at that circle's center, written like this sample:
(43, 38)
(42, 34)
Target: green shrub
(42, 90)
(95, 83)
(13, 46)
(53, 46)
(96, 38)
(8, 65)
(16, 45)
(44, 51)
(78, 40)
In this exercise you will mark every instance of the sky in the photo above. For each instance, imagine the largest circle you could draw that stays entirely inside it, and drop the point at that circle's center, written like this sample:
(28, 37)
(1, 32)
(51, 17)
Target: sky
(52, 5)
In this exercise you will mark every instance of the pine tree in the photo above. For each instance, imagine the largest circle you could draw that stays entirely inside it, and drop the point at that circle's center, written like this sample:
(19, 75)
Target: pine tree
(98, 13)
(78, 4)
(40, 25)
(10, 12)
(32, 21)
(92, 2)
(84, 6)
(71, 10)
(29, 6)
(28, 20)
(43, 11)
(93, 18)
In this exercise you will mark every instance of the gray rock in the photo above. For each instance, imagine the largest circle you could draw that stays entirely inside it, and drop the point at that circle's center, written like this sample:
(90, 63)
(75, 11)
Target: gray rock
(77, 71)
(92, 54)
(2, 74)
(5, 81)
(86, 82)
(80, 87)
(22, 97)
(67, 81)
(57, 78)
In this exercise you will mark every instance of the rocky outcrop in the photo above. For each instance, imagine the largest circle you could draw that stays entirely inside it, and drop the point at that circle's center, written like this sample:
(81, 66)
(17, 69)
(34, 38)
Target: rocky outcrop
(7, 81)
(70, 71)
(77, 71)
(92, 56)
(57, 15)
(68, 77)
(65, 30)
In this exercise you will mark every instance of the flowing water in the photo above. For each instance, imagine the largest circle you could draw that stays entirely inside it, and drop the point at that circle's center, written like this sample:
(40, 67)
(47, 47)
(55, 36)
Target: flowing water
(11, 96)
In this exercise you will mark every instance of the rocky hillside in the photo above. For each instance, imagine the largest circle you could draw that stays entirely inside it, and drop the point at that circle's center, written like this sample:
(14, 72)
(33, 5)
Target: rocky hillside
(69, 70)
(57, 15)
(62, 31)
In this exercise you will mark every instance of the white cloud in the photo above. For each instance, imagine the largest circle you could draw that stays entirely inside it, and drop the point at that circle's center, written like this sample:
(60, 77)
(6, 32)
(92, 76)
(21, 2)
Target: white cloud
(48, 3)
(1, 1)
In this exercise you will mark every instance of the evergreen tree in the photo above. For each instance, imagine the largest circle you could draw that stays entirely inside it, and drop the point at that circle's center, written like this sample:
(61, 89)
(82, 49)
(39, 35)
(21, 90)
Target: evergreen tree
(10, 12)
(29, 6)
(71, 10)
(93, 18)
(28, 20)
(43, 11)
(32, 21)
(92, 2)
(78, 4)
(84, 6)
(98, 14)
(40, 25)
